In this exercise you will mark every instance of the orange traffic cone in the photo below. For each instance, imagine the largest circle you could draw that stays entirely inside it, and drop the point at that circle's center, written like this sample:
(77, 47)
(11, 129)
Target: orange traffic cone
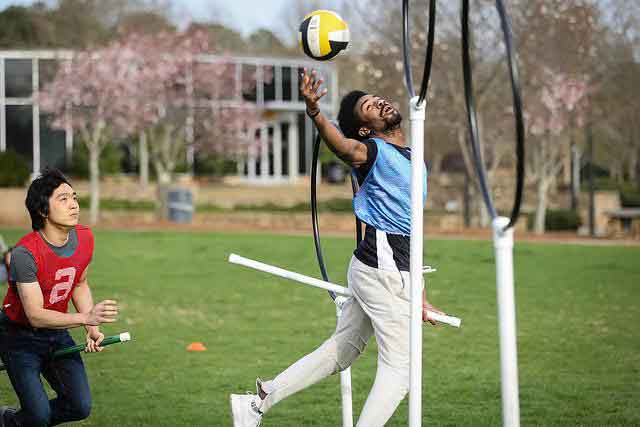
(196, 346)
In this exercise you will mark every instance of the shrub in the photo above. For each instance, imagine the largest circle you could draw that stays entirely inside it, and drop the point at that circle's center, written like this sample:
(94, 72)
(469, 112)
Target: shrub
(630, 196)
(119, 204)
(14, 169)
(562, 220)
(110, 160)
(336, 205)
(214, 166)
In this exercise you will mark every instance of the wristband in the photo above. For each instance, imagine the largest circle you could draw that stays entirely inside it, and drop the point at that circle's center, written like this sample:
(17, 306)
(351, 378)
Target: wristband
(314, 114)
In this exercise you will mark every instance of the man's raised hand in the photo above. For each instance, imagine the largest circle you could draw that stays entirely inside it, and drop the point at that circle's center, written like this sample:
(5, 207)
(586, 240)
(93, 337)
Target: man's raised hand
(104, 312)
(310, 89)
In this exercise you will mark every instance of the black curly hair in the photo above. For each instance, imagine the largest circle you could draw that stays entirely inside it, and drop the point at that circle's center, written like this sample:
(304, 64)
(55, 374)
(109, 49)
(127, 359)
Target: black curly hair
(38, 195)
(348, 120)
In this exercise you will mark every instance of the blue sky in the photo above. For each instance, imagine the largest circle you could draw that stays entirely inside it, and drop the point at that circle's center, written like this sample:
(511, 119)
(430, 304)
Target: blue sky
(244, 15)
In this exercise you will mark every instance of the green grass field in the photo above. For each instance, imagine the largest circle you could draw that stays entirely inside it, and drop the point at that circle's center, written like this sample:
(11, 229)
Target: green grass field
(578, 314)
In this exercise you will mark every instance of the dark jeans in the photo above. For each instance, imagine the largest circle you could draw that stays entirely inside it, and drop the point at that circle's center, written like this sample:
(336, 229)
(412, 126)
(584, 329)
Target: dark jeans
(26, 353)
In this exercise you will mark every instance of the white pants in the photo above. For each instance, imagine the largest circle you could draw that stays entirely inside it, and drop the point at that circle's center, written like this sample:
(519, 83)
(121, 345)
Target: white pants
(380, 306)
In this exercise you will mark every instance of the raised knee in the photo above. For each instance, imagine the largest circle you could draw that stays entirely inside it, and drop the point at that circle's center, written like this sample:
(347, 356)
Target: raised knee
(349, 351)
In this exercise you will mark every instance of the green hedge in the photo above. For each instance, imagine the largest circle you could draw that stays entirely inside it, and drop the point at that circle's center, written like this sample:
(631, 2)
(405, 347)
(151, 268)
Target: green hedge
(561, 220)
(110, 160)
(119, 204)
(330, 205)
(630, 196)
(214, 166)
(14, 169)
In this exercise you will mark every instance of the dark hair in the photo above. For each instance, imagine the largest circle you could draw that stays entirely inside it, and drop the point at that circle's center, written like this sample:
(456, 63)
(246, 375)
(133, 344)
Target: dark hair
(39, 193)
(348, 120)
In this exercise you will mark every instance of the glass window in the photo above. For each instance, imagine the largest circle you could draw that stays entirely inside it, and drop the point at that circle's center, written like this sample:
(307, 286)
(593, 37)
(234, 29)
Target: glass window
(270, 142)
(47, 69)
(300, 71)
(302, 141)
(285, 148)
(20, 130)
(269, 83)
(52, 144)
(18, 78)
(249, 82)
(286, 83)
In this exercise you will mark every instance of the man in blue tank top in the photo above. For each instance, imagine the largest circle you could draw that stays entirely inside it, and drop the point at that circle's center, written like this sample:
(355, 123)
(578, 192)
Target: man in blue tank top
(372, 142)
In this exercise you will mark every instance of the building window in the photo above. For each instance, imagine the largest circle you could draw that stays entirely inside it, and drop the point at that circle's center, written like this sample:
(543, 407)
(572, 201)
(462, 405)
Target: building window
(20, 130)
(302, 140)
(47, 70)
(271, 154)
(52, 144)
(18, 78)
(285, 148)
(249, 75)
(270, 84)
(286, 83)
(300, 71)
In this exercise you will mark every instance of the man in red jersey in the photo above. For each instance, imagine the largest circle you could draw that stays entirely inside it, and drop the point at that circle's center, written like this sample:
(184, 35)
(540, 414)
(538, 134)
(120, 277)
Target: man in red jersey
(48, 269)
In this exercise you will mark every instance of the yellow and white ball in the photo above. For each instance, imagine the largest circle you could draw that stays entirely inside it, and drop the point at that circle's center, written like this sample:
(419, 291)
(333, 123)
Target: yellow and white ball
(323, 35)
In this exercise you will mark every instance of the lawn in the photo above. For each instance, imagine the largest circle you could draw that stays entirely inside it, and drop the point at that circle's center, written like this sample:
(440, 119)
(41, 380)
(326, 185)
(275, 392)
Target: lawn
(578, 310)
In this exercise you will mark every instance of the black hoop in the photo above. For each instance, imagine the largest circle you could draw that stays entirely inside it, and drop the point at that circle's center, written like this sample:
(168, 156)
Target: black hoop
(471, 110)
(314, 212)
(406, 41)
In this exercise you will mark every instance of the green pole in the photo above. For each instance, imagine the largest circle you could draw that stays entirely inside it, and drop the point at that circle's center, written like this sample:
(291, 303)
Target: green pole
(123, 337)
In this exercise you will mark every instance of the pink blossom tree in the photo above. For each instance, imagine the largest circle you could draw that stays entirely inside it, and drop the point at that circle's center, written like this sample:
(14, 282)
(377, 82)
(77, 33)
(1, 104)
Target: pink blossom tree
(184, 99)
(559, 104)
(156, 84)
(89, 93)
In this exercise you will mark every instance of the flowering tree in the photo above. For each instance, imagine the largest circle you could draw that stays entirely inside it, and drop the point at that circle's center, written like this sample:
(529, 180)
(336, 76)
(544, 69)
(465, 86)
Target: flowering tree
(90, 93)
(154, 84)
(186, 100)
(561, 101)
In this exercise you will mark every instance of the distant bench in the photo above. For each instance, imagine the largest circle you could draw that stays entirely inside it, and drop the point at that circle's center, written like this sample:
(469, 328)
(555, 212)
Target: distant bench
(624, 222)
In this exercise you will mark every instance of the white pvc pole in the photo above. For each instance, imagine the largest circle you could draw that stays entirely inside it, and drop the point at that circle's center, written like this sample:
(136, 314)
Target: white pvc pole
(345, 388)
(257, 265)
(347, 403)
(503, 244)
(416, 117)
(340, 290)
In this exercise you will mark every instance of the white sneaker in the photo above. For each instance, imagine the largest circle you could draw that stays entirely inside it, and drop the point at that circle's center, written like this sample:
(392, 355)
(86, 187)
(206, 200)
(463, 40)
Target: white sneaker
(245, 410)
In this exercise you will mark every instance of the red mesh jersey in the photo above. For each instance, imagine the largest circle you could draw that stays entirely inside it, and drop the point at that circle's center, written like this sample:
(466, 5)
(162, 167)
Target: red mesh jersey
(57, 276)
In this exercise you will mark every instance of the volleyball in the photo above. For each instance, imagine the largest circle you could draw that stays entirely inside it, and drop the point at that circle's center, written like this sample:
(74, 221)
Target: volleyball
(323, 35)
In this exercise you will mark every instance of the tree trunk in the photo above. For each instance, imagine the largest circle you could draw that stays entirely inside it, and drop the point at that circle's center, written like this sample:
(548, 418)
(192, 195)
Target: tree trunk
(436, 163)
(143, 159)
(615, 171)
(485, 219)
(466, 201)
(633, 165)
(94, 182)
(541, 208)
(164, 182)
(575, 176)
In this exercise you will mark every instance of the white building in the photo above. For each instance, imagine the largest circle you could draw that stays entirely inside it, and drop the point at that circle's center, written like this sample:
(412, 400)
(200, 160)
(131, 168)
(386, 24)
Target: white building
(24, 128)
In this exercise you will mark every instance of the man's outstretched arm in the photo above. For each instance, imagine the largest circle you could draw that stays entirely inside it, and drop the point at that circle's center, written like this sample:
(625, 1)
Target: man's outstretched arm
(350, 151)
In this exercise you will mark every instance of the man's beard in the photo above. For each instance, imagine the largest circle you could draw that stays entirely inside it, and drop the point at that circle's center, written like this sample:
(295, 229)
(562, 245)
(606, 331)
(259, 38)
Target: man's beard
(392, 121)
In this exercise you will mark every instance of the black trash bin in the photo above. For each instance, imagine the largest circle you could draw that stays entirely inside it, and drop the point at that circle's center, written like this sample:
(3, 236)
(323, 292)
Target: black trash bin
(180, 205)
